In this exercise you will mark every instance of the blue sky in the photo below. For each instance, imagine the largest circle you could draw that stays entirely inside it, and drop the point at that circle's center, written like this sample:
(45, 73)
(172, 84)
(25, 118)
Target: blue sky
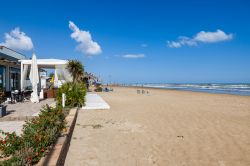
(137, 41)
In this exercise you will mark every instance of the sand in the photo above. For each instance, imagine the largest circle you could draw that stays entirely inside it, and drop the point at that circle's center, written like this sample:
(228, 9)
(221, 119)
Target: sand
(164, 127)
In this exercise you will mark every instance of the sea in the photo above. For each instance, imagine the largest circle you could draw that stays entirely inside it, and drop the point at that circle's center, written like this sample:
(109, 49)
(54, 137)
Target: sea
(232, 88)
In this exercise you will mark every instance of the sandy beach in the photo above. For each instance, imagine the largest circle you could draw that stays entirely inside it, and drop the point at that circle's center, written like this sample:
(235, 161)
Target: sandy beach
(164, 127)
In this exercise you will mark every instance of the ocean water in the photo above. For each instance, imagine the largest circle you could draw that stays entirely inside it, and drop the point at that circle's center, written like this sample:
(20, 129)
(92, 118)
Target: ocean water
(237, 89)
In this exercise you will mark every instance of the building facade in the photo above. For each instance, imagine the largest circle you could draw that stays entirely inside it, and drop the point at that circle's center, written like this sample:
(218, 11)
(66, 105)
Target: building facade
(10, 69)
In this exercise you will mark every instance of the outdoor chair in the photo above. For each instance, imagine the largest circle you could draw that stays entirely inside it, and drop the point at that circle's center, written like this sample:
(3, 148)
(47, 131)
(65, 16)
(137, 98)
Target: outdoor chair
(26, 95)
(17, 96)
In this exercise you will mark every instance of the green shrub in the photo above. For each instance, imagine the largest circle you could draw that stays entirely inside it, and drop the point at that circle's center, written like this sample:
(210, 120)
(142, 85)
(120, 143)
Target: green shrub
(2, 96)
(38, 135)
(75, 94)
(98, 88)
(41, 132)
(9, 144)
(13, 161)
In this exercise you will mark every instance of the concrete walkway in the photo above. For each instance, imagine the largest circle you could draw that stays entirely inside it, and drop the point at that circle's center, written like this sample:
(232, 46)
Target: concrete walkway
(95, 102)
(10, 126)
(19, 112)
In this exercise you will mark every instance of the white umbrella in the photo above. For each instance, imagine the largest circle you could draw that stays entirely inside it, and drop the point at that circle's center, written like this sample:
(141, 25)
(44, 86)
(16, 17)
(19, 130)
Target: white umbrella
(34, 78)
(55, 78)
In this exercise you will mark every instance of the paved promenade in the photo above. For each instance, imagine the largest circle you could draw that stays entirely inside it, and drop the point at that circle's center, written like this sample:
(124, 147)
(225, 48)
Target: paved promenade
(10, 126)
(19, 112)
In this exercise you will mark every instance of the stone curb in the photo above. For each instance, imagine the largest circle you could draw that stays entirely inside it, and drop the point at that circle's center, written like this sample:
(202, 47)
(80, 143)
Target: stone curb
(57, 154)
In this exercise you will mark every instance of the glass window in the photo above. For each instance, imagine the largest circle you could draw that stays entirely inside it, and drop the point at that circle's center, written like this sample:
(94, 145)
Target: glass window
(15, 79)
(2, 77)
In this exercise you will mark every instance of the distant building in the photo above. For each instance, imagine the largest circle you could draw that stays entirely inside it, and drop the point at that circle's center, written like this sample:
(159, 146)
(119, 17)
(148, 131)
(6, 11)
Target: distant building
(10, 69)
(90, 78)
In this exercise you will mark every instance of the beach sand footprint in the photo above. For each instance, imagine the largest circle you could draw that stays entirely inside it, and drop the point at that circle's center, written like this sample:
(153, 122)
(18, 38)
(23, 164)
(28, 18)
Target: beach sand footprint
(125, 126)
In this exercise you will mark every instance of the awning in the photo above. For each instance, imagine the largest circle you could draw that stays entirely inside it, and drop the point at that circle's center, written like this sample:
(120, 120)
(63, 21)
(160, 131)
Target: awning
(46, 63)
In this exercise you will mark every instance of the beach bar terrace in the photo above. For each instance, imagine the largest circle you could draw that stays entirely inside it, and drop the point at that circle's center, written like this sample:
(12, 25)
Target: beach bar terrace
(61, 75)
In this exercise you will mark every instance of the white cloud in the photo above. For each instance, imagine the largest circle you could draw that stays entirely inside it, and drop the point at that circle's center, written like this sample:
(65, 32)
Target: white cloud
(133, 56)
(86, 45)
(173, 44)
(17, 40)
(212, 37)
(201, 37)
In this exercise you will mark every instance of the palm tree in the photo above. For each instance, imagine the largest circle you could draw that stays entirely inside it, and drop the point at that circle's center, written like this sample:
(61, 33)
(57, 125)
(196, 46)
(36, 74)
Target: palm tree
(76, 69)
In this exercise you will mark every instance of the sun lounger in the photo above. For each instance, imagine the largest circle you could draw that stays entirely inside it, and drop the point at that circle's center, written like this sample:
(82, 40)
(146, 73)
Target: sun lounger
(107, 89)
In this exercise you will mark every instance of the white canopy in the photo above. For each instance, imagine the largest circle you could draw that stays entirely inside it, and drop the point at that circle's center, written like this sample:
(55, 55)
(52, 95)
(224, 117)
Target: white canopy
(45, 63)
(57, 64)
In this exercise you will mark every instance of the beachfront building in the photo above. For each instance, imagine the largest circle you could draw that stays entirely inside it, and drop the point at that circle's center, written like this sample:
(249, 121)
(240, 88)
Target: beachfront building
(15, 68)
(10, 73)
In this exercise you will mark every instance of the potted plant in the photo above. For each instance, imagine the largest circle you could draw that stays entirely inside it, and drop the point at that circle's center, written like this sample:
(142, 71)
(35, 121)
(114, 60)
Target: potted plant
(2, 106)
